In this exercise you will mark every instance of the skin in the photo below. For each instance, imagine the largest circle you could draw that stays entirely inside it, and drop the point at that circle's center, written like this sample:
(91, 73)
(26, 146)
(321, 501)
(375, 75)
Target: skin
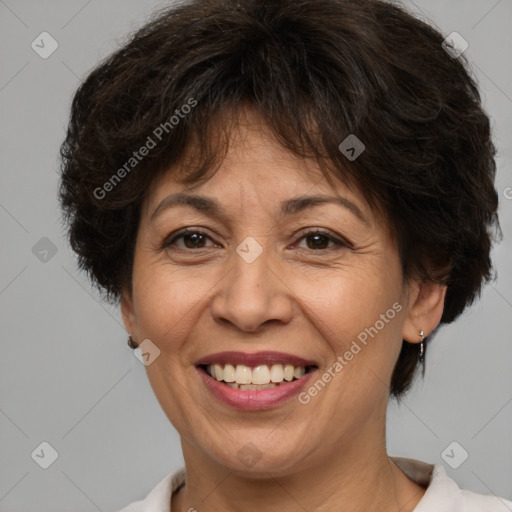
(194, 300)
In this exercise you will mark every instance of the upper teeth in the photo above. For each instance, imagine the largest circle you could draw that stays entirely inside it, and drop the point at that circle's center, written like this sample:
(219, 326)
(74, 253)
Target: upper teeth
(261, 374)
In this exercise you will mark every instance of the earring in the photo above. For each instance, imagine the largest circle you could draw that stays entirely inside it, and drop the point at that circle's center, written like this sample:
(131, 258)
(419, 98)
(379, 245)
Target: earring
(131, 343)
(421, 334)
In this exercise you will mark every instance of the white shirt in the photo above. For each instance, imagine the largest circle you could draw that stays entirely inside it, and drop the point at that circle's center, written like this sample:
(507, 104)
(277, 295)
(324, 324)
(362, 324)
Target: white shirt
(442, 494)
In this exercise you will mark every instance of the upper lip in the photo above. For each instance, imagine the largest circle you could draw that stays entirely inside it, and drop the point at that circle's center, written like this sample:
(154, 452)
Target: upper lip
(254, 359)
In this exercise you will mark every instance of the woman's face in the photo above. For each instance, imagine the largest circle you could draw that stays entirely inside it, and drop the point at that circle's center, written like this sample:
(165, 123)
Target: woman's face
(254, 277)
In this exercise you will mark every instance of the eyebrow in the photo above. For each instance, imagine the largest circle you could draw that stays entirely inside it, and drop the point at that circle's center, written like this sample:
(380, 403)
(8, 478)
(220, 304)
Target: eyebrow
(289, 207)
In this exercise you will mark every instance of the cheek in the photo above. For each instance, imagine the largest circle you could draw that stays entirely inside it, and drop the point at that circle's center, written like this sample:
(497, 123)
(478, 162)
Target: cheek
(345, 303)
(359, 316)
(167, 299)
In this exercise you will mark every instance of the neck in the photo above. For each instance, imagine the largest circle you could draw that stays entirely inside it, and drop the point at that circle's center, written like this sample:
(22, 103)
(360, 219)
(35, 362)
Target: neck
(360, 478)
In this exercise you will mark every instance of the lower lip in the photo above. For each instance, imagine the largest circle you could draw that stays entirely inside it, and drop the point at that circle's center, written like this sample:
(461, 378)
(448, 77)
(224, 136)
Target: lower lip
(254, 399)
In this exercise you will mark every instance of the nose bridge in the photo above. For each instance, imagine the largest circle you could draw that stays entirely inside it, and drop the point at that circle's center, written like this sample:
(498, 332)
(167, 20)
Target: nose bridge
(251, 263)
(251, 294)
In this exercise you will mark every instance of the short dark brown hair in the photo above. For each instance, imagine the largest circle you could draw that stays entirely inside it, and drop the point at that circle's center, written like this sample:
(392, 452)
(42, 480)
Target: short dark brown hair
(316, 71)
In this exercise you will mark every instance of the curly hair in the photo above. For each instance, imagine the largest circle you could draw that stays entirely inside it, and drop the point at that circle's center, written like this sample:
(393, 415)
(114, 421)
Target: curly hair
(316, 71)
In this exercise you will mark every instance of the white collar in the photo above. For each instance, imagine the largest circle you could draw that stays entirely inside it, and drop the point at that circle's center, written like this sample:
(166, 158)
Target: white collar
(442, 494)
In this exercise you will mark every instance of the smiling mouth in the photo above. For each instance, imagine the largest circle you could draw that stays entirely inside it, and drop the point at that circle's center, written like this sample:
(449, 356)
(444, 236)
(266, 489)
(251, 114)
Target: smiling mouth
(258, 377)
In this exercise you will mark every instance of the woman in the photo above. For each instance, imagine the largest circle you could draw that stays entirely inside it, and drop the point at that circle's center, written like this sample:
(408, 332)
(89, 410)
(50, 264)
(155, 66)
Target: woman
(287, 199)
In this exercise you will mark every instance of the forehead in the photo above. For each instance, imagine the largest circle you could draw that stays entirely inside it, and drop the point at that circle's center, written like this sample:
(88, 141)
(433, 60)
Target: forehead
(255, 168)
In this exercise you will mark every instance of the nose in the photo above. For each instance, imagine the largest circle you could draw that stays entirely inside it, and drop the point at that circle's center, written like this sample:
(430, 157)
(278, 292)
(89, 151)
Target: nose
(252, 294)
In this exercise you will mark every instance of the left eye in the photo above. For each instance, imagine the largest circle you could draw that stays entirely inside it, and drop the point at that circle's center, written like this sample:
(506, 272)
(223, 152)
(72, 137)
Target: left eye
(318, 240)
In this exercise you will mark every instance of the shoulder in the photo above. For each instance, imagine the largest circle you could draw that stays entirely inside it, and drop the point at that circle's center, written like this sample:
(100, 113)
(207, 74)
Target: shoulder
(159, 498)
(443, 494)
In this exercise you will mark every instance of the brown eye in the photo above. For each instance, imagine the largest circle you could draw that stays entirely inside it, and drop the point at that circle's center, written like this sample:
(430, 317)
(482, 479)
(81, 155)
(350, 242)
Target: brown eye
(192, 239)
(319, 240)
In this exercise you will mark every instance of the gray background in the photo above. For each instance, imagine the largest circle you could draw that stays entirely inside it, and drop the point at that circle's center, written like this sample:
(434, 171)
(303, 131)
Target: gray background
(66, 374)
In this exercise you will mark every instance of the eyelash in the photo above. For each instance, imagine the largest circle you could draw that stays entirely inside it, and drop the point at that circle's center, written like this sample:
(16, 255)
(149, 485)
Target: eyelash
(168, 242)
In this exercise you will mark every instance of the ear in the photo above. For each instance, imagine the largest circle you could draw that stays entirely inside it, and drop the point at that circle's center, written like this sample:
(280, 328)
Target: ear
(426, 305)
(128, 312)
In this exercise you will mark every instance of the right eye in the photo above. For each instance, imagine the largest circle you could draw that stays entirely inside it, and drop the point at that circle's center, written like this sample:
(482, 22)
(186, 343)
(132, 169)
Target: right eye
(192, 239)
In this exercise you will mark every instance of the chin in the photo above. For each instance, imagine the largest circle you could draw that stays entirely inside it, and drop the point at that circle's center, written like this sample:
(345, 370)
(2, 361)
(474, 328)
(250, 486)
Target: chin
(258, 460)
